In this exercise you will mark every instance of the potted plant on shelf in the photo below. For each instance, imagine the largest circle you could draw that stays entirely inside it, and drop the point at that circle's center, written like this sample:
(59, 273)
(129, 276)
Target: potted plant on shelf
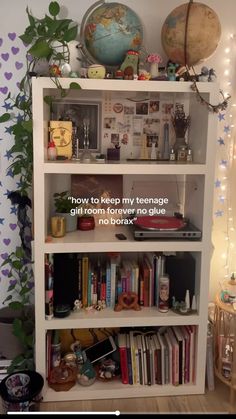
(64, 207)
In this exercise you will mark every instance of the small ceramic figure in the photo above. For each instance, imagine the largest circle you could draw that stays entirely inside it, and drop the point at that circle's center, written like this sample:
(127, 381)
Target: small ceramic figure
(212, 75)
(130, 65)
(204, 74)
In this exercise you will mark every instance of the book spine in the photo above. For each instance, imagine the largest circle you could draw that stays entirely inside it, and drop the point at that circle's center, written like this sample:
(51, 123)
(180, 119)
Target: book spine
(124, 365)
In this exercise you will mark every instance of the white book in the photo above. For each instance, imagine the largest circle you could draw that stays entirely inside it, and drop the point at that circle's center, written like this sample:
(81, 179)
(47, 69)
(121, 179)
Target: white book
(144, 360)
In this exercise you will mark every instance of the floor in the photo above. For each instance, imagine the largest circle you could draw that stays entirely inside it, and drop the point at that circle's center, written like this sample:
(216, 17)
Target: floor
(212, 402)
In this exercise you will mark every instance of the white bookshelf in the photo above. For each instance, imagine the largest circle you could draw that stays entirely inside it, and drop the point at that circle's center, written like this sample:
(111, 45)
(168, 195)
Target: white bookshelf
(197, 206)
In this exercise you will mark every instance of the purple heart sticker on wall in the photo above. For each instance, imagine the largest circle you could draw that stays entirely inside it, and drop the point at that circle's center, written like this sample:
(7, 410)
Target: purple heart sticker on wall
(5, 272)
(6, 241)
(12, 36)
(1, 41)
(12, 226)
(5, 56)
(4, 256)
(7, 75)
(15, 50)
(4, 90)
(18, 65)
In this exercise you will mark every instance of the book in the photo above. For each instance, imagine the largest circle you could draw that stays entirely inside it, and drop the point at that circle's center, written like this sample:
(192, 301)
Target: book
(123, 358)
(157, 359)
(141, 360)
(180, 340)
(129, 359)
(85, 270)
(170, 357)
(175, 356)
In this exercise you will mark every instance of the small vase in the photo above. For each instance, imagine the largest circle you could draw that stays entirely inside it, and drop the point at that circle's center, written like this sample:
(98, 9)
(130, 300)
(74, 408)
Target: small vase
(179, 142)
(154, 70)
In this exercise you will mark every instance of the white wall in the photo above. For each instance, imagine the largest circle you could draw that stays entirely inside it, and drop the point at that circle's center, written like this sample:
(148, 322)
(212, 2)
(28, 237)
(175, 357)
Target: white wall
(152, 14)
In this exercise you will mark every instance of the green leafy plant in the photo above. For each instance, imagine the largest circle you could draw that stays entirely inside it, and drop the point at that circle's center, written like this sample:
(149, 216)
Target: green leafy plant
(19, 296)
(63, 202)
(47, 39)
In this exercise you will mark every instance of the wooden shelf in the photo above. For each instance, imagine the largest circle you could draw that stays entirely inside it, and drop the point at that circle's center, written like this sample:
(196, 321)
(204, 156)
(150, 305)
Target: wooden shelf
(148, 316)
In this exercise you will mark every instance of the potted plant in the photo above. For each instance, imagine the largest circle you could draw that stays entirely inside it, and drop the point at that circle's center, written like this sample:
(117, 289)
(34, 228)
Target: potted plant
(64, 206)
(19, 313)
(47, 39)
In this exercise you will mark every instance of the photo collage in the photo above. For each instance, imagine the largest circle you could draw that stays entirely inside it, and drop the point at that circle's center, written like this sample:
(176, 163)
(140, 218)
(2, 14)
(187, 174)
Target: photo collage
(134, 125)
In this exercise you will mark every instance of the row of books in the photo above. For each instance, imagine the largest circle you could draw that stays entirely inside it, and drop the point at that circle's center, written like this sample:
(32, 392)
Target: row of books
(166, 356)
(104, 278)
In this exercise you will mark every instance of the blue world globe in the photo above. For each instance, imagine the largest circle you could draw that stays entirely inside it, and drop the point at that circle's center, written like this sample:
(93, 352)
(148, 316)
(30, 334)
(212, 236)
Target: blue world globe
(108, 31)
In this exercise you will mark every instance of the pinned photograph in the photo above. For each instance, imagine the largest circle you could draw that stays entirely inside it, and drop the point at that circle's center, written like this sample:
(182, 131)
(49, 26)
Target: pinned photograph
(128, 110)
(115, 139)
(142, 108)
(154, 106)
(109, 123)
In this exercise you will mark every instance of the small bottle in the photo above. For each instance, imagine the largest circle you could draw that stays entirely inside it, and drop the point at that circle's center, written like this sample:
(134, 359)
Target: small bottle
(189, 157)
(52, 151)
(164, 287)
(172, 155)
(153, 152)
(182, 154)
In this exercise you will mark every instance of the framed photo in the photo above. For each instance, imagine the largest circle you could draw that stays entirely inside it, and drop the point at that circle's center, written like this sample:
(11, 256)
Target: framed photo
(86, 120)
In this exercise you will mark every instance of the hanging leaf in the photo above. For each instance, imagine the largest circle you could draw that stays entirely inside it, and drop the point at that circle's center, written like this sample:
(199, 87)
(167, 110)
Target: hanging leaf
(71, 34)
(5, 117)
(28, 125)
(75, 85)
(40, 49)
(54, 8)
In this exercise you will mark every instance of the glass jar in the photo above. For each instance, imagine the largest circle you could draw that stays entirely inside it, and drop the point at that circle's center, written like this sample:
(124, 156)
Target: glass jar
(182, 153)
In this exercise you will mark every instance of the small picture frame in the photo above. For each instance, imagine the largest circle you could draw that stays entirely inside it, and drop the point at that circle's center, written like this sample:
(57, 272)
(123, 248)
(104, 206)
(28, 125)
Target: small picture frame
(79, 112)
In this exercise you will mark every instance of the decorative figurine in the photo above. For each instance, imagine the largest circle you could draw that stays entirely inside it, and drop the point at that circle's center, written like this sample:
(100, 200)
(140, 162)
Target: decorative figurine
(130, 65)
(212, 75)
(77, 305)
(171, 72)
(96, 71)
(54, 70)
(128, 301)
(87, 374)
(203, 76)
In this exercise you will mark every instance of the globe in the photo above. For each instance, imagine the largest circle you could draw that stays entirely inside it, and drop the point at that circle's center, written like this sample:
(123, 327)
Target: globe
(188, 41)
(108, 31)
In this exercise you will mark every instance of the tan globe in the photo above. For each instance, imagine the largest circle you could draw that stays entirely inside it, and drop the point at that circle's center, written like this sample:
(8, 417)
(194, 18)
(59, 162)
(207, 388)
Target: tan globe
(189, 41)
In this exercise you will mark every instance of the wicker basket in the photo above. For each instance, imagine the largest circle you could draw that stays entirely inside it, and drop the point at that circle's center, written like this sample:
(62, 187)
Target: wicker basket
(62, 378)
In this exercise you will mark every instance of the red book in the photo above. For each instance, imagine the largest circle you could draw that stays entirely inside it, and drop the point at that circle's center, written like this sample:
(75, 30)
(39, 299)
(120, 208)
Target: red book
(123, 358)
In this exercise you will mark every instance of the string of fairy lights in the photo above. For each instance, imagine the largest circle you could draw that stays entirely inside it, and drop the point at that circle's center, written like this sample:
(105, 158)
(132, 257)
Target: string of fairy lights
(226, 155)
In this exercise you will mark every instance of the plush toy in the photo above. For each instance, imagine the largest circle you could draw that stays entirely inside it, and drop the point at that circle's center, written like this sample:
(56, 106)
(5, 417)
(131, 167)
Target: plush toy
(96, 71)
(130, 65)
